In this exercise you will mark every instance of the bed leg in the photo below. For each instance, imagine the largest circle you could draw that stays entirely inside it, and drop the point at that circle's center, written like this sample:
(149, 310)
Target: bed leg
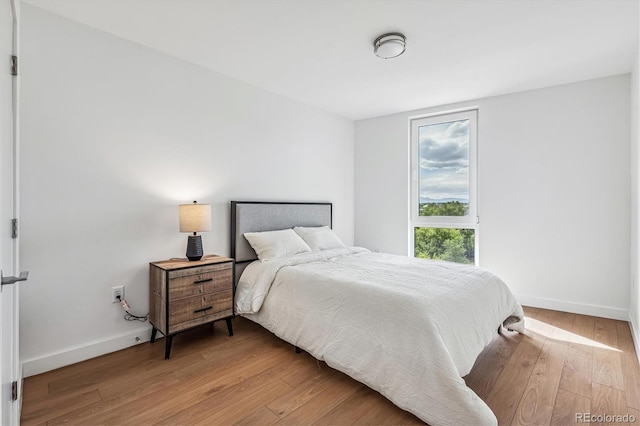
(298, 350)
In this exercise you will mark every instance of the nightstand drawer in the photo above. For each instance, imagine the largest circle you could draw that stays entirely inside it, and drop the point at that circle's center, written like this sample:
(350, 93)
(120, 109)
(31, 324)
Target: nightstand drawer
(205, 282)
(199, 307)
(177, 273)
(201, 320)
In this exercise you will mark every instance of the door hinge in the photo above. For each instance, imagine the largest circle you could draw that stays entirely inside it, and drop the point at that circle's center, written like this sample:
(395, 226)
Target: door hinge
(14, 65)
(14, 228)
(14, 391)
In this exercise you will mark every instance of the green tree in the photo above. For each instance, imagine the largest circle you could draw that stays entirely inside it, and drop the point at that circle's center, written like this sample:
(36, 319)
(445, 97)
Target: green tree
(454, 250)
(451, 208)
(469, 241)
(454, 245)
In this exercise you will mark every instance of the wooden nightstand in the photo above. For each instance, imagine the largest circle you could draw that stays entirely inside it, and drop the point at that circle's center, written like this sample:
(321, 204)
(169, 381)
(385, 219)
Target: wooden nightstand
(184, 294)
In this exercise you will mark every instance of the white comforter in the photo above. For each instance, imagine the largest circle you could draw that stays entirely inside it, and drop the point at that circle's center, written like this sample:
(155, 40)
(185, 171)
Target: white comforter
(408, 328)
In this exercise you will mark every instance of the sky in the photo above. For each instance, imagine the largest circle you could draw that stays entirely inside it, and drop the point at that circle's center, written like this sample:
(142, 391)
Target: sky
(444, 161)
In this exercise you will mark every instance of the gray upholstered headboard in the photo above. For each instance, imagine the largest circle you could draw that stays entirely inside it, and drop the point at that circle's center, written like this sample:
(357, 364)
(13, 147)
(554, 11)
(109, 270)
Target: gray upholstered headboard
(258, 216)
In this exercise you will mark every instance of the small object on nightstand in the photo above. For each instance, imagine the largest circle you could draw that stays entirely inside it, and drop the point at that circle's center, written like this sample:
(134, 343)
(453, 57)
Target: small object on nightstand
(185, 294)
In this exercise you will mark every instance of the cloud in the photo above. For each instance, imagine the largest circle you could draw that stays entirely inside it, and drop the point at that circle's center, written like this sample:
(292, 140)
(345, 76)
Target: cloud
(444, 145)
(458, 129)
(453, 164)
(448, 154)
(444, 160)
(443, 184)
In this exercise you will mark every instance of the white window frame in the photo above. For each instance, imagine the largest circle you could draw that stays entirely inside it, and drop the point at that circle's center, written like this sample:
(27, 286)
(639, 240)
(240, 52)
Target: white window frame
(463, 222)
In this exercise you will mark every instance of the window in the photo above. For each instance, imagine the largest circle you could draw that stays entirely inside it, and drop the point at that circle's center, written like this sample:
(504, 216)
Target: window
(443, 187)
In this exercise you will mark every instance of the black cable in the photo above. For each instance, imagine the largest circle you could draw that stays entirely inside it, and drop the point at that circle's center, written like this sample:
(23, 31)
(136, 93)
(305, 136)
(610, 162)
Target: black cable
(130, 317)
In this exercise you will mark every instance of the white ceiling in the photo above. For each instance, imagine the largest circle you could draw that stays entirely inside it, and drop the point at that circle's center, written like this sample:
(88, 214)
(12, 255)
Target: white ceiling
(320, 52)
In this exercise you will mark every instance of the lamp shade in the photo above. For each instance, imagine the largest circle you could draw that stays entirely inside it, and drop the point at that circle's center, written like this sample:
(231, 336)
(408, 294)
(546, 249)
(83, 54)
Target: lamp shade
(195, 217)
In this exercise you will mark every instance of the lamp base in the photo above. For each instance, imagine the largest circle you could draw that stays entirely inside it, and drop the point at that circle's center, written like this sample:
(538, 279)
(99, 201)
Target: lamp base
(194, 247)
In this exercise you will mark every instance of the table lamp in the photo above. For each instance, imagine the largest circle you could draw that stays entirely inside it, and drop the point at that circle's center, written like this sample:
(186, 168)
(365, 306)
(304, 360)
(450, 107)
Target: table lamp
(194, 218)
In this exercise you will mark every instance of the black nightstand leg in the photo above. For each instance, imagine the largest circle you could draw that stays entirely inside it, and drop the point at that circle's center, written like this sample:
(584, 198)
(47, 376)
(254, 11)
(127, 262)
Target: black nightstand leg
(229, 327)
(167, 346)
(153, 334)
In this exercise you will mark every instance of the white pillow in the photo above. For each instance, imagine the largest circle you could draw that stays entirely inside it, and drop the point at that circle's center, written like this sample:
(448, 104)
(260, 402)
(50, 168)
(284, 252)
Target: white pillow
(319, 238)
(273, 244)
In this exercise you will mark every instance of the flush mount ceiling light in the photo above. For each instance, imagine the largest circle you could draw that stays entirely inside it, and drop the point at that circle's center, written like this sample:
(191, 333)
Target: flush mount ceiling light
(389, 45)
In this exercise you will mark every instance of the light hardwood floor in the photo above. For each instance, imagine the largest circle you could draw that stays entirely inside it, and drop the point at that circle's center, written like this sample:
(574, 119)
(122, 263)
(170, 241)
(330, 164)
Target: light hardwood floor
(565, 364)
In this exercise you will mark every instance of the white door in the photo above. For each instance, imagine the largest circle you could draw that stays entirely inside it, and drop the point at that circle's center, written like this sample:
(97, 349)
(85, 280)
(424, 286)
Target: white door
(9, 351)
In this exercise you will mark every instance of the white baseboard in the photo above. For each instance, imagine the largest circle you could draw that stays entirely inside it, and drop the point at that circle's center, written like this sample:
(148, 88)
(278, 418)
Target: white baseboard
(573, 307)
(33, 366)
(635, 334)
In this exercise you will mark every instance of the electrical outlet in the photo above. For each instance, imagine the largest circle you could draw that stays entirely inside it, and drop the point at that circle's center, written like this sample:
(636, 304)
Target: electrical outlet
(117, 292)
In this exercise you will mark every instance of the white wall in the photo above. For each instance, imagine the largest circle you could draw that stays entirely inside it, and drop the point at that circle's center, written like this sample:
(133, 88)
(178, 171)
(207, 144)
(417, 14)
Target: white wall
(553, 192)
(115, 135)
(634, 294)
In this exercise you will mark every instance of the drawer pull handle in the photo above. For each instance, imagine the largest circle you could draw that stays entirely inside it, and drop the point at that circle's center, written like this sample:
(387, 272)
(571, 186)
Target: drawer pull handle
(203, 309)
(203, 281)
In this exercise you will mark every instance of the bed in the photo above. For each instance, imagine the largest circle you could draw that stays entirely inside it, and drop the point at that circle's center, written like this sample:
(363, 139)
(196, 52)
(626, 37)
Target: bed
(408, 328)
